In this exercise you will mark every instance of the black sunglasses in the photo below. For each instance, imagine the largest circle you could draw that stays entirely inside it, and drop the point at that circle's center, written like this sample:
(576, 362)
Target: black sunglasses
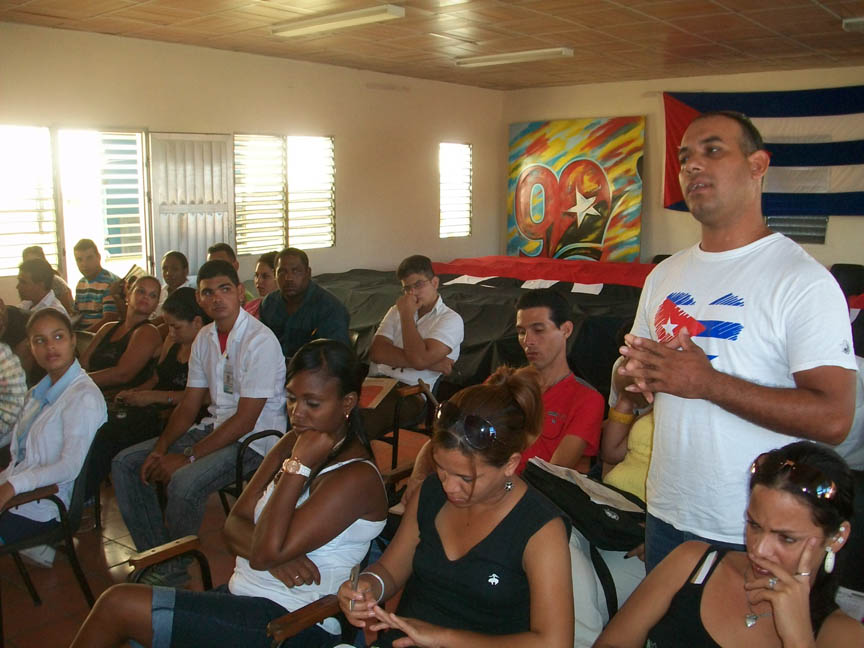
(807, 478)
(477, 432)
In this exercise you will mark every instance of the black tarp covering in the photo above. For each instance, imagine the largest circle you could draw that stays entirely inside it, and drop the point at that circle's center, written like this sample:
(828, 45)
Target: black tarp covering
(488, 310)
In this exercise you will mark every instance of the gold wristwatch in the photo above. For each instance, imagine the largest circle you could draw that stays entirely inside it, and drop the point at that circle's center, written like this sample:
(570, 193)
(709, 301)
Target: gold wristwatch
(293, 466)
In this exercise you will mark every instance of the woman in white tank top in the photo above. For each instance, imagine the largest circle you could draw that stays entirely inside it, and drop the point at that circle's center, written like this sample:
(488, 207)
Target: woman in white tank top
(306, 518)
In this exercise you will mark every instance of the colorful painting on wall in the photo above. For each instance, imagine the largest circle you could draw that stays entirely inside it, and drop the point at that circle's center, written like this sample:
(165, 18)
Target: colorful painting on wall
(574, 189)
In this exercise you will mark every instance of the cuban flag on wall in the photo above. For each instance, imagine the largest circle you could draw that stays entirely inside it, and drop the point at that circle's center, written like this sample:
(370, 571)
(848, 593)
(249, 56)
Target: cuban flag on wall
(815, 138)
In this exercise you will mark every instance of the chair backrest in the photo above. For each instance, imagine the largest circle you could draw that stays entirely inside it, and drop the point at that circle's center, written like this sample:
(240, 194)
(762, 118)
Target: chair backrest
(79, 492)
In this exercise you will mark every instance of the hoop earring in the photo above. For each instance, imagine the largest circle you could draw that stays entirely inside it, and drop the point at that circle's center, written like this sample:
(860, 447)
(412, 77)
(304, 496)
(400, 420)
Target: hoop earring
(829, 560)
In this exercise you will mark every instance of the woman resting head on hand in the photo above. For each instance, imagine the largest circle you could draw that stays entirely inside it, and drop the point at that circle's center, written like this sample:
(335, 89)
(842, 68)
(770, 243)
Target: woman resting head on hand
(780, 592)
(483, 557)
(305, 519)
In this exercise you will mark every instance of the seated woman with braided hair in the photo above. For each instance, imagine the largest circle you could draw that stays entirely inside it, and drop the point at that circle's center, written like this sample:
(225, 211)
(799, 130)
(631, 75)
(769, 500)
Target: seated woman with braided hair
(306, 518)
(483, 557)
(780, 592)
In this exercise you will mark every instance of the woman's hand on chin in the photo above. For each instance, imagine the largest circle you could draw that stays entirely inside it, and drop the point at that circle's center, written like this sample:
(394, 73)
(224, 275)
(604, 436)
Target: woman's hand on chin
(788, 594)
(419, 633)
(313, 447)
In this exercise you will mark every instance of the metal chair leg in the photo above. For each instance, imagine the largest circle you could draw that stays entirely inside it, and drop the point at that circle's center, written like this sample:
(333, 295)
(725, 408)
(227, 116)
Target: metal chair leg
(225, 504)
(26, 578)
(76, 566)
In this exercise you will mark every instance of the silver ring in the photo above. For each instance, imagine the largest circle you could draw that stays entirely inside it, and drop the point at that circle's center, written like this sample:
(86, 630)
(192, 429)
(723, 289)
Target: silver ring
(772, 582)
(802, 573)
(297, 578)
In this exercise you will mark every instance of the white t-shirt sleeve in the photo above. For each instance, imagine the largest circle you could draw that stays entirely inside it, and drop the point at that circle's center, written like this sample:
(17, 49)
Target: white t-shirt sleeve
(197, 372)
(818, 333)
(642, 322)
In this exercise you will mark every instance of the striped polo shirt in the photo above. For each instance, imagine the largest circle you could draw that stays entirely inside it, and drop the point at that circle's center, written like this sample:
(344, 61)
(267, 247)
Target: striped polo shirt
(93, 298)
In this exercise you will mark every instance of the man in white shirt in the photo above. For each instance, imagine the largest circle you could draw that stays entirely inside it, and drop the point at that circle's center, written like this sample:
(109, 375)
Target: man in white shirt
(238, 361)
(418, 338)
(742, 341)
(35, 278)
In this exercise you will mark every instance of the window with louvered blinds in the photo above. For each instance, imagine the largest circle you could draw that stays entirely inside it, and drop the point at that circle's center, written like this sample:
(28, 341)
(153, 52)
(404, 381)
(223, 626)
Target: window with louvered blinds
(27, 211)
(454, 167)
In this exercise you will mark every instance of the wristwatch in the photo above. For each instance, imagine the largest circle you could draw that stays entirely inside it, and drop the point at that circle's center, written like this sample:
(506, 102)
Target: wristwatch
(187, 452)
(293, 466)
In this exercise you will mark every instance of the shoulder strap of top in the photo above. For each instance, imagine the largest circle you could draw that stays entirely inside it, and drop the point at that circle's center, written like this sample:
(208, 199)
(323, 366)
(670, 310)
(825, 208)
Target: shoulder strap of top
(706, 566)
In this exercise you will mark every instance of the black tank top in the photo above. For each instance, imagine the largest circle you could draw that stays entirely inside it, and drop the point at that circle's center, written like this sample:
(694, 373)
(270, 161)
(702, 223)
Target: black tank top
(171, 372)
(486, 590)
(681, 626)
(107, 354)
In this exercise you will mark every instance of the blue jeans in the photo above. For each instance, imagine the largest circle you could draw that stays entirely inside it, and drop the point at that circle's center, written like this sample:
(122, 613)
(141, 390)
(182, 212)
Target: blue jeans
(186, 493)
(661, 538)
(181, 618)
(14, 527)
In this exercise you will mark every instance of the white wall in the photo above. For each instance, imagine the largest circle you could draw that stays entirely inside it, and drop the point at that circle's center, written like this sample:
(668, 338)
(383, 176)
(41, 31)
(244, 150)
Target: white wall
(386, 128)
(665, 231)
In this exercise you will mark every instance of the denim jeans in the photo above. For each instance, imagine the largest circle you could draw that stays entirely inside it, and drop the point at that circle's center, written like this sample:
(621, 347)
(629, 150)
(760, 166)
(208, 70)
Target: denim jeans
(661, 538)
(186, 493)
(182, 619)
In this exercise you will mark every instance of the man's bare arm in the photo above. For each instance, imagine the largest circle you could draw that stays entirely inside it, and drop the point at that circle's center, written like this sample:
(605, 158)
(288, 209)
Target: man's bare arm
(383, 351)
(820, 406)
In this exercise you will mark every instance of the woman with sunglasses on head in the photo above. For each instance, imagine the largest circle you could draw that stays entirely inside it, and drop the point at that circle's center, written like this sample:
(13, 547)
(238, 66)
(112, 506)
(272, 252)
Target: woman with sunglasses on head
(780, 592)
(483, 557)
(122, 354)
(305, 519)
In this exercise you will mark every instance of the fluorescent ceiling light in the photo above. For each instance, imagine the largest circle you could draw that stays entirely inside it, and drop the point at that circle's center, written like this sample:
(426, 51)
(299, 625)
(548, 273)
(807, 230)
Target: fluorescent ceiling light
(853, 24)
(332, 22)
(514, 57)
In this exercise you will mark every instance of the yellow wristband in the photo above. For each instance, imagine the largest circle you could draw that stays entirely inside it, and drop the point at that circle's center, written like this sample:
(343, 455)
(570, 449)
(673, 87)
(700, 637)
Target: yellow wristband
(620, 417)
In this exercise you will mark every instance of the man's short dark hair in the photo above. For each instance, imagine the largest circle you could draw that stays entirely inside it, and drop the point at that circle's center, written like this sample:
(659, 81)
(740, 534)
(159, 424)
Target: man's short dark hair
(751, 138)
(218, 268)
(295, 252)
(416, 264)
(559, 308)
(85, 244)
(222, 247)
(40, 271)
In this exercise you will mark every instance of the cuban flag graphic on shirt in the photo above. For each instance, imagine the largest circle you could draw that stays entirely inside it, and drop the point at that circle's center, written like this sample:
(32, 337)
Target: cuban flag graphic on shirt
(672, 316)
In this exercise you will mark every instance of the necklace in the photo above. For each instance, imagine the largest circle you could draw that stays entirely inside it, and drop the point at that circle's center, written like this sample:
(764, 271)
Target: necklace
(751, 619)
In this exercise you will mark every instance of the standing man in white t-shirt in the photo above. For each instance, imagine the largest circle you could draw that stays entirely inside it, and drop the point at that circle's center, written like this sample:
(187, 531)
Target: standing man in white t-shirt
(419, 338)
(743, 341)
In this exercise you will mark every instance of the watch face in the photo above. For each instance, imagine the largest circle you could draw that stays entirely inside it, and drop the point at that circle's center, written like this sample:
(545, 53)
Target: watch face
(291, 466)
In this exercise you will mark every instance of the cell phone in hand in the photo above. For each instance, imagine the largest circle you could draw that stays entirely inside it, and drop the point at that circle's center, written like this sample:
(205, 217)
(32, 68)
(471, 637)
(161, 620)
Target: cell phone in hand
(355, 581)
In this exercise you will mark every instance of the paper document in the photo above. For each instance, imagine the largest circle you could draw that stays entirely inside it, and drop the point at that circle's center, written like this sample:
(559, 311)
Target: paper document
(598, 493)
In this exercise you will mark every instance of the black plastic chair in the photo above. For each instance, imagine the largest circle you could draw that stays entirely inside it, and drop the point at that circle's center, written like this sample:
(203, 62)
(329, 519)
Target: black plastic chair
(70, 520)
(234, 489)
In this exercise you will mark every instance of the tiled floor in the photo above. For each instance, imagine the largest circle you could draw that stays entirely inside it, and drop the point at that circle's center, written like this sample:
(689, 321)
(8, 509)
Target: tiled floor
(103, 555)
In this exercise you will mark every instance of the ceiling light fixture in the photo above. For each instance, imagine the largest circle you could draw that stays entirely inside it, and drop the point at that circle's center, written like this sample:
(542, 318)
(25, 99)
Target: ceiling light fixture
(853, 24)
(514, 57)
(332, 22)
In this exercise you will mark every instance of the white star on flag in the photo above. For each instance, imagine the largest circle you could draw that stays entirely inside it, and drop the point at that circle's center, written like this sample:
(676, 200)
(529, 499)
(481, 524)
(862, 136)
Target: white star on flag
(669, 327)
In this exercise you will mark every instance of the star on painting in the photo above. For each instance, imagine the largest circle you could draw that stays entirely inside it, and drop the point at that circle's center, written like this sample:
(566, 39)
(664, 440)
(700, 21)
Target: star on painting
(583, 208)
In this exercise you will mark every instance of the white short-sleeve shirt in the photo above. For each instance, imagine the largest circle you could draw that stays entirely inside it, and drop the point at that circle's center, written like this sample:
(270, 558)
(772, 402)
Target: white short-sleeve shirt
(251, 367)
(441, 323)
(48, 301)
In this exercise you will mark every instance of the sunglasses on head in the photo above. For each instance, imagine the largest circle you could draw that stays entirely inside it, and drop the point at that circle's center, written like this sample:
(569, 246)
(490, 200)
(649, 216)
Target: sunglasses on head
(477, 432)
(807, 478)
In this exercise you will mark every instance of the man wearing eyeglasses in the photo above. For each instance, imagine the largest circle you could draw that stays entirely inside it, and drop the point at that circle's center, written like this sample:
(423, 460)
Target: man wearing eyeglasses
(418, 339)
(301, 310)
(743, 339)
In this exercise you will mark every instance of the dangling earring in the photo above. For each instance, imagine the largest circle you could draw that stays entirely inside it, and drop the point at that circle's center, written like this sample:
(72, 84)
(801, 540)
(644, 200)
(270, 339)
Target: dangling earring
(829, 560)
(508, 485)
